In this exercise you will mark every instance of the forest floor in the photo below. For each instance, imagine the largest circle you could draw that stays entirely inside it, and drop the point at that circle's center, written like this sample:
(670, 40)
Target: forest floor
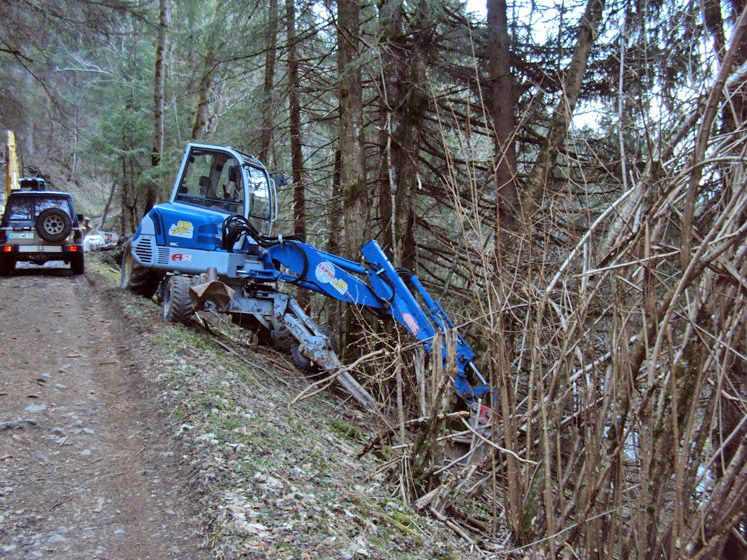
(123, 437)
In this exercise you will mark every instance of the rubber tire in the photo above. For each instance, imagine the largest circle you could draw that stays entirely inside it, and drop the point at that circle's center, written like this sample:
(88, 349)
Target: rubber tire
(53, 225)
(177, 305)
(135, 277)
(77, 264)
(301, 361)
(7, 265)
(264, 335)
(282, 339)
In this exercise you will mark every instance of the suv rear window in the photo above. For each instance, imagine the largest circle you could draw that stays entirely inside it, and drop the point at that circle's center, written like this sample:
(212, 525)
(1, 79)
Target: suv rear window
(26, 208)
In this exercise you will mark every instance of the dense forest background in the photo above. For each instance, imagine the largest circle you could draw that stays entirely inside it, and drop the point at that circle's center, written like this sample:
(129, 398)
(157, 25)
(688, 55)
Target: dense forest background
(566, 177)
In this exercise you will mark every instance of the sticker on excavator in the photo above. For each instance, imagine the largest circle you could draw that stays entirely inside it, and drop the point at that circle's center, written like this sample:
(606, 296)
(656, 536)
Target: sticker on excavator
(340, 285)
(181, 229)
(411, 323)
(325, 272)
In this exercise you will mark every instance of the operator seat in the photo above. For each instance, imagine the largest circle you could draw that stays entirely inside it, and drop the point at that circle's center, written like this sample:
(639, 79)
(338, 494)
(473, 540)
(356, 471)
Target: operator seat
(204, 183)
(234, 182)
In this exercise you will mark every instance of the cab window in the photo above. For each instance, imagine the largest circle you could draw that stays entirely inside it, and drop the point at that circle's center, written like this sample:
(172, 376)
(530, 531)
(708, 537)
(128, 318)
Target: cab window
(260, 210)
(212, 180)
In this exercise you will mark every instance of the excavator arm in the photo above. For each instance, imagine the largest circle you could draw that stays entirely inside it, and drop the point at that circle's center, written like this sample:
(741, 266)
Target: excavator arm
(375, 284)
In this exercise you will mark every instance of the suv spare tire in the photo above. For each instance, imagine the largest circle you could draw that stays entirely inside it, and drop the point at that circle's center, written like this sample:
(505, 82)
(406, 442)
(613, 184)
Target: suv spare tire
(53, 225)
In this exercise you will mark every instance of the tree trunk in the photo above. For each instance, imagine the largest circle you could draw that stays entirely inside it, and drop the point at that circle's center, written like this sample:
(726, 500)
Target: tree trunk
(561, 119)
(106, 208)
(271, 43)
(407, 102)
(206, 81)
(159, 83)
(294, 106)
(501, 106)
(352, 165)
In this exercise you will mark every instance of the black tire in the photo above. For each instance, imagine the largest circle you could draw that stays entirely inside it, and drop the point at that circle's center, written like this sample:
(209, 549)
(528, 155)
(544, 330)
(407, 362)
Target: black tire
(77, 264)
(135, 277)
(264, 335)
(7, 265)
(282, 339)
(301, 361)
(53, 225)
(177, 305)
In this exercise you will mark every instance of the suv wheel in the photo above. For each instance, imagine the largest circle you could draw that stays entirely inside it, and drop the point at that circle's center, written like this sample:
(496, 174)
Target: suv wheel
(53, 225)
(7, 265)
(177, 305)
(135, 277)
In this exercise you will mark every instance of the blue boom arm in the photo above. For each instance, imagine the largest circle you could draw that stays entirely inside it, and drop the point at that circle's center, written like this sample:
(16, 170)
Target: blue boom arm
(375, 284)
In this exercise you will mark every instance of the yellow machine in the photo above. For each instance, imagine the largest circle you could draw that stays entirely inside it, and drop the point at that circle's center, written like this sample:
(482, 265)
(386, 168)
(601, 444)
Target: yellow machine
(11, 168)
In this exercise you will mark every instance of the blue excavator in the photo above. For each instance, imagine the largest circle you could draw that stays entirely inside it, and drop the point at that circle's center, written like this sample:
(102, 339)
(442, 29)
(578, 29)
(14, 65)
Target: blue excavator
(212, 247)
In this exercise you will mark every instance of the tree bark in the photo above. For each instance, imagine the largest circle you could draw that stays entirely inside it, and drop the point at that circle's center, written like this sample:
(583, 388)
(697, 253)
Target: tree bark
(267, 116)
(294, 106)
(206, 81)
(352, 164)
(501, 106)
(407, 102)
(159, 84)
(105, 214)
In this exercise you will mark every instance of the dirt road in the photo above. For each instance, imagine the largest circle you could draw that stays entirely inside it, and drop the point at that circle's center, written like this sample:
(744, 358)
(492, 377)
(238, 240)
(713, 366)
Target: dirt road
(87, 469)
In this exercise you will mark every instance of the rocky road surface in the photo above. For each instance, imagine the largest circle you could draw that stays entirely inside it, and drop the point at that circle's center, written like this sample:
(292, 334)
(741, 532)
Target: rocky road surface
(87, 469)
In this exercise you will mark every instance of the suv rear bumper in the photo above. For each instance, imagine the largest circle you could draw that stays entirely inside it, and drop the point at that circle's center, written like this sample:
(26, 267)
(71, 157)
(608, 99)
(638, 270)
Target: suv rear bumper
(38, 252)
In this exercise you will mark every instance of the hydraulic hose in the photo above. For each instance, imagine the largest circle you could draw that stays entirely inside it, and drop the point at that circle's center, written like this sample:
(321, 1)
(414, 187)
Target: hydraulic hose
(236, 225)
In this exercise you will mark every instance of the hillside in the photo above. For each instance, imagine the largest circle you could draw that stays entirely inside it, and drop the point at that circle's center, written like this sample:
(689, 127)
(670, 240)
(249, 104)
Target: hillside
(262, 478)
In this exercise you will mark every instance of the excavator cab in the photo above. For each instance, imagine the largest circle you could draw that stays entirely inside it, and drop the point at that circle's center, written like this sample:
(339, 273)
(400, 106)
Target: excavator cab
(227, 181)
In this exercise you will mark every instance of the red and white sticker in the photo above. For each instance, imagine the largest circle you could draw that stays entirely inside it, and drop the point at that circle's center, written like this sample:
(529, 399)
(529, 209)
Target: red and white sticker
(181, 257)
(325, 272)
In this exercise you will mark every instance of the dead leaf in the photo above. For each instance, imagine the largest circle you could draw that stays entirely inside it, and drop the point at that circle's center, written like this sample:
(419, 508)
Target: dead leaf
(3, 457)
(32, 396)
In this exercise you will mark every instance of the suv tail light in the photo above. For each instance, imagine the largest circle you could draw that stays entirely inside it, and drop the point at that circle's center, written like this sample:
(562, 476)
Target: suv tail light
(7, 248)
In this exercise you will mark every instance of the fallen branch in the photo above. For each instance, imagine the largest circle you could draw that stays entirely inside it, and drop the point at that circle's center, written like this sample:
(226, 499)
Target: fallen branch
(415, 422)
(498, 447)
